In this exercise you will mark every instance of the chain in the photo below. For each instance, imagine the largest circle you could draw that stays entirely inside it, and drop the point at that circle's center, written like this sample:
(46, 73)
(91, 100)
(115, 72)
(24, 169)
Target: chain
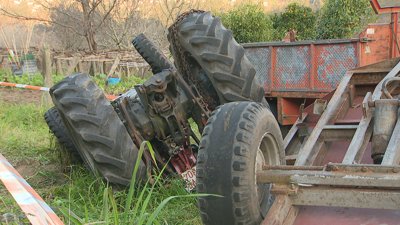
(183, 64)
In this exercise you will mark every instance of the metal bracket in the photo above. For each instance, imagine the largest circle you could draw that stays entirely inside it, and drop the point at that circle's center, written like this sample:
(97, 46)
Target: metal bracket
(365, 104)
(319, 106)
(284, 189)
(366, 39)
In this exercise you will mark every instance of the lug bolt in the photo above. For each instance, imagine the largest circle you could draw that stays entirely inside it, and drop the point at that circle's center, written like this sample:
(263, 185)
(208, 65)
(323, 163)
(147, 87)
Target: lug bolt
(395, 170)
(364, 169)
(158, 80)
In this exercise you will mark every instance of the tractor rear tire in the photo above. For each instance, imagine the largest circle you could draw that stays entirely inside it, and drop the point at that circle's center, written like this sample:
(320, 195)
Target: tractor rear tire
(238, 139)
(56, 126)
(96, 130)
(152, 54)
(211, 51)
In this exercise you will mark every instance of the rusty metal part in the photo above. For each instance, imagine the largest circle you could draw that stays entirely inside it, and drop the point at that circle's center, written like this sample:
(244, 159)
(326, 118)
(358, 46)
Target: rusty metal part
(288, 189)
(146, 159)
(325, 130)
(319, 66)
(319, 106)
(386, 90)
(340, 178)
(302, 129)
(344, 197)
(181, 58)
(392, 154)
(281, 167)
(365, 104)
(385, 120)
(301, 110)
(136, 135)
(201, 104)
(163, 164)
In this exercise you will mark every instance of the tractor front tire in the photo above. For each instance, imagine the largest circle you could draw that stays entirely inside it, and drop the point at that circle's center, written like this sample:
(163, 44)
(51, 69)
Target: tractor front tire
(96, 130)
(152, 54)
(238, 139)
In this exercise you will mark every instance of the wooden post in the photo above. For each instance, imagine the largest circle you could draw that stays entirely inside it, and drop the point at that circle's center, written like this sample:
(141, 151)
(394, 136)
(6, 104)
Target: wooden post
(100, 66)
(92, 70)
(114, 65)
(79, 66)
(47, 74)
(127, 71)
(104, 67)
(74, 63)
(59, 70)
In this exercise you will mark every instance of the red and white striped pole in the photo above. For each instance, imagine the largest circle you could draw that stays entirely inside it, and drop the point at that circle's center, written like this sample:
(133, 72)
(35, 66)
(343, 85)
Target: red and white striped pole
(36, 210)
(40, 88)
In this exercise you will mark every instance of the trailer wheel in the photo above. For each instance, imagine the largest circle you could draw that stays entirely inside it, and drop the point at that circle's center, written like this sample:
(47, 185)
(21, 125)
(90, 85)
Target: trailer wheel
(239, 138)
(216, 59)
(96, 130)
(152, 54)
(56, 126)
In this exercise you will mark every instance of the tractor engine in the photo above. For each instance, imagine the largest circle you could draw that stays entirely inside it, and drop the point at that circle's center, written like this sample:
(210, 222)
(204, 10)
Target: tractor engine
(158, 111)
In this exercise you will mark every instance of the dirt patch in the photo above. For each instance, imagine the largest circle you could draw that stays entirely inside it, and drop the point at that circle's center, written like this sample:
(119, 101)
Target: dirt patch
(40, 176)
(20, 96)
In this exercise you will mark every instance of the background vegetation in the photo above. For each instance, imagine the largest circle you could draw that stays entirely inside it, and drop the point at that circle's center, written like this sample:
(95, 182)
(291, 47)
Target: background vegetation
(298, 17)
(95, 25)
(343, 19)
(337, 19)
(248, 22)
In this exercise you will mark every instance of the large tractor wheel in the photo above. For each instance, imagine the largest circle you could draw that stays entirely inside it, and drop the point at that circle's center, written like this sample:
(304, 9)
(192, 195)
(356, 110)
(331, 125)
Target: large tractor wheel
(215, 57)
(152, 54)
(239, 138)
(56, 126)
(96, 130)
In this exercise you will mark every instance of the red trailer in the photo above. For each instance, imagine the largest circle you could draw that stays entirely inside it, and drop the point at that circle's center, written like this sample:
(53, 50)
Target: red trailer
(298, 72)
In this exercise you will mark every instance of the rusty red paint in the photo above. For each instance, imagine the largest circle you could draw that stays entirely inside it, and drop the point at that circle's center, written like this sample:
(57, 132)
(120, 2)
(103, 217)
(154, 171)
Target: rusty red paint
(378, 50)
(379, 10)
(308, 68)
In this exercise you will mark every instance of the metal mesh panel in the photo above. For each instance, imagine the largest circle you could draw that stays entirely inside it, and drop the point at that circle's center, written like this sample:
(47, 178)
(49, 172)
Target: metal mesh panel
(292, 68)
(332, 62)
(261, 58)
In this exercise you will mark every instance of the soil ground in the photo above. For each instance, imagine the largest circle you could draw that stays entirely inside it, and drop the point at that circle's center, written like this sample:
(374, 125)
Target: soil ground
(20, 96)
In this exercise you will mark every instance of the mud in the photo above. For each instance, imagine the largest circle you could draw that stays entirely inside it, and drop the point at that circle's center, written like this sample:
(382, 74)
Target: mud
(20, 96)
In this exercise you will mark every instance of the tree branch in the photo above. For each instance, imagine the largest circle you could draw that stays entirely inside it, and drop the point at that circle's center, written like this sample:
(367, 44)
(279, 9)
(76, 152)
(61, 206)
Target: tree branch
(19, 17)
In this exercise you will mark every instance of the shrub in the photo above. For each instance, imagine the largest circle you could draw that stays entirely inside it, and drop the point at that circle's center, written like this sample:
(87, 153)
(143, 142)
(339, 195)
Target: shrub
(248, 23)
(343, 19)
(298, 17)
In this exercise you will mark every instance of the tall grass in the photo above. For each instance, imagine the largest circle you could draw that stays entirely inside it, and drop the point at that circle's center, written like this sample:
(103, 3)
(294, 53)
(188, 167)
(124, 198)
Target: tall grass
(79, 196)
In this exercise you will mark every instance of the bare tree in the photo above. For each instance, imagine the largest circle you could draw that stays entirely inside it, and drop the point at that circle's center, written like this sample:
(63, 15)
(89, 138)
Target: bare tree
(167, 11)
(128, 19)
(93, 14)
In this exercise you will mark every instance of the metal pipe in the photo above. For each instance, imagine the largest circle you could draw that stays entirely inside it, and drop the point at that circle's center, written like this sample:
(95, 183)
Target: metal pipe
(340, 178)
(285, 167)
(385, 120)
(392, 154)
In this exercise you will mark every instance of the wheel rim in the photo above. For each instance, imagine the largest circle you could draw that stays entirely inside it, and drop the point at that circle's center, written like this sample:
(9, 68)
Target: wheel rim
(267, 154)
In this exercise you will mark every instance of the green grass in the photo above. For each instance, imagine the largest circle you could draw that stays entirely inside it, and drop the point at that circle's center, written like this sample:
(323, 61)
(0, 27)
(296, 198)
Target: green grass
(36, 79)
(63, 182)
